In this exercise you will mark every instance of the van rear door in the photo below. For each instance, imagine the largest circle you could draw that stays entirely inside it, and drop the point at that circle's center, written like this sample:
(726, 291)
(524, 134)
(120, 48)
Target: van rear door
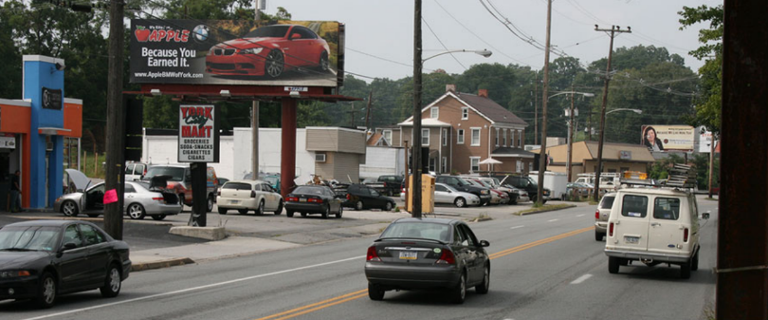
(667, 226)
(630, 218)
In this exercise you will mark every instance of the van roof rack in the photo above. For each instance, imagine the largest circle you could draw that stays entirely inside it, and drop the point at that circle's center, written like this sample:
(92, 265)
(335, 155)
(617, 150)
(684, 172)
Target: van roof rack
(681, 176)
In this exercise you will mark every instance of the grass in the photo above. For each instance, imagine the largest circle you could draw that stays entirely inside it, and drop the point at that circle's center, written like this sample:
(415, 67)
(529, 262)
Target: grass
(480, 217)
(90, 167)
(542, 208)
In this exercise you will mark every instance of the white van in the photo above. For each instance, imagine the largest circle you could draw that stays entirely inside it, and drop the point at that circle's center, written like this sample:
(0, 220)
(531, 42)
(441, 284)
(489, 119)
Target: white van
(653, 226)
(134, 171)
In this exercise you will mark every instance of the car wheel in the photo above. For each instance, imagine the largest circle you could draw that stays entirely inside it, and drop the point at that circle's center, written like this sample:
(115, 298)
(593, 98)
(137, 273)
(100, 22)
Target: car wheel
(341, 211)
(599, 236)
(483, 286)
(388, 207)
(543, 201)
(323, 65)
(222, 210)
(460, 202)
(326, 211)
(69, 209)
(375, 292)
(136, 211)
(112, 284)
(279, 208)
(46, 294)
(210, 203)
(93, 215)
(513, 202)
(695, 262)
(685, 270)
(260, 209)
(242, 211)
(459, 293)
(158, 217)
(303, 214)
(289, 213)
(359, 205)
(275, 64)
(613, 265)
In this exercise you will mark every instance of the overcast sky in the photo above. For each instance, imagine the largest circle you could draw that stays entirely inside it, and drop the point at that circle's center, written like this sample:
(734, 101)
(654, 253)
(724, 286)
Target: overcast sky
(384, 29)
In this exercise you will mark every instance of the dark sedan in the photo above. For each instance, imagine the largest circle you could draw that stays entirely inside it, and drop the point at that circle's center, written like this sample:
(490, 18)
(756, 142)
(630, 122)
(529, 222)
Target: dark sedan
(313, 200)
(427, 254)
(42, 259)
(362, 197)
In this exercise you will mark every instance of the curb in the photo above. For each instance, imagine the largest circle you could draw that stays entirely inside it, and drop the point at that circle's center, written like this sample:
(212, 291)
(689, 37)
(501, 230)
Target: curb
(161, 264)
(547, 210)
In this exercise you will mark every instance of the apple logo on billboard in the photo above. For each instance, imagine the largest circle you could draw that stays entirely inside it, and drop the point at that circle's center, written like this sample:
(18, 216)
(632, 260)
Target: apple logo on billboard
(200, 33)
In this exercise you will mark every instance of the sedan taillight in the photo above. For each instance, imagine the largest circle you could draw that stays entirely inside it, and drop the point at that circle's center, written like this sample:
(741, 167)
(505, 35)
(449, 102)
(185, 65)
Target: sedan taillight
(292, 199)
(315, 200)
(161, 199)
(372, 255)
(447, 258)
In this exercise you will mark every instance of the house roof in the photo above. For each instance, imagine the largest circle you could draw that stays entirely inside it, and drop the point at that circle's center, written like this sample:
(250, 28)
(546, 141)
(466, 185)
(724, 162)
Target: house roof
(587, 150)
(491, 109)
(511, 152)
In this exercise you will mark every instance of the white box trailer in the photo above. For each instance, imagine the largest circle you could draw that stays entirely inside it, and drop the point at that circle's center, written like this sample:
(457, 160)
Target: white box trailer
(554, 181)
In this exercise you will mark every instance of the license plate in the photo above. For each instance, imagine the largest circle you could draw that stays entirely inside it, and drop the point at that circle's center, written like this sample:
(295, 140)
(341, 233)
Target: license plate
(408, 255)
(302, 200)
(234, 201)
(632, 240)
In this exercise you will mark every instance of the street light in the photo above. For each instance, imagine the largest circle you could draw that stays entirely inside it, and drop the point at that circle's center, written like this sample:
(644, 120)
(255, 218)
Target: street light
(600, 150)
(571, 114)
(417, 69)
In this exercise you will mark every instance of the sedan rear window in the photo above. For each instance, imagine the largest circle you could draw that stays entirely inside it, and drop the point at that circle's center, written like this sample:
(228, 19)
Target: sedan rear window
(237, 186)
(309, 190)
(422, 230)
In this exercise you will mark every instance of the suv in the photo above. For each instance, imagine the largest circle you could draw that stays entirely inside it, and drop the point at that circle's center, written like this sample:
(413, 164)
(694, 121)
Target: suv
(180, 181)
(653, 226)
(483, 193)
(601, 215)
(529, 185)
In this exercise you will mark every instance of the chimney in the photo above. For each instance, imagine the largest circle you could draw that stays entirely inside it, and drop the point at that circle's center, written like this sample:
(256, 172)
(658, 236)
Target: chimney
(450, 88)
(482, 93)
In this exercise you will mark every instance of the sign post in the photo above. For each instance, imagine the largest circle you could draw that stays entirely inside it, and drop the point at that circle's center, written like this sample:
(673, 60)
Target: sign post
(198, 145)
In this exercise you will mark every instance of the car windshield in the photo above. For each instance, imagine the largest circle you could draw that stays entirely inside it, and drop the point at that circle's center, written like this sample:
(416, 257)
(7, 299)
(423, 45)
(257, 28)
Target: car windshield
(309, 190)
(424, 230)
(176, 174)
(28, 238)
(532, 182)
(484, 184)
(268, 32)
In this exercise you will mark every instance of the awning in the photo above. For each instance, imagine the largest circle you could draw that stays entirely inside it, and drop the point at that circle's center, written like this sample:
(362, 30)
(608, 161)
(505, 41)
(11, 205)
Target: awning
(52, 131)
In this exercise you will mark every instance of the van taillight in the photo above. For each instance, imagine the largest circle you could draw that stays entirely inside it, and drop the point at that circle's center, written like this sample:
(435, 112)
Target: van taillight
(372, 255)
(610, 230)
(447, 258)
(685, 235)
(347, 196)
(597, 214)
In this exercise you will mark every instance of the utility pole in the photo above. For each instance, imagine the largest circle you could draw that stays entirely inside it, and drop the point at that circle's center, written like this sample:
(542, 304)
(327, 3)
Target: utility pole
(255, 121)
(613, 30)
(711, 161)
(543, 149)
(113, 213)
(570, 139)
(407, 187)
(368, 111)
(416, 155)
(589, 126)
(536, 109)
(352, 116)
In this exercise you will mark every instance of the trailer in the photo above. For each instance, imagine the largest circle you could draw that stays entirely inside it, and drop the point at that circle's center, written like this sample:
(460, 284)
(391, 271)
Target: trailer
(556, 182)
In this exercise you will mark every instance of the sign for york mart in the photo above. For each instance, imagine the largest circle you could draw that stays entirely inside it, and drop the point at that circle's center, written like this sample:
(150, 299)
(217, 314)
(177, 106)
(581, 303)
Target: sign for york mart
(198, 133)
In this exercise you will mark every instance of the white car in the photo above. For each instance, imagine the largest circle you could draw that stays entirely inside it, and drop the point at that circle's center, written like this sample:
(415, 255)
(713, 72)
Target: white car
(245, 195)
(445, 194)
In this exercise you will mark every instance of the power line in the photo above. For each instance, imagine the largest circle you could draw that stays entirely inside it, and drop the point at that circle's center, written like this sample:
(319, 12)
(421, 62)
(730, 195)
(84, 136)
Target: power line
(442, 44)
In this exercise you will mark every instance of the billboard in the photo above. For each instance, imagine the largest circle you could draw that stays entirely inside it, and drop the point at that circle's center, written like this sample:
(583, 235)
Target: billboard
(198, 133)
(668, 138)
(237, 52)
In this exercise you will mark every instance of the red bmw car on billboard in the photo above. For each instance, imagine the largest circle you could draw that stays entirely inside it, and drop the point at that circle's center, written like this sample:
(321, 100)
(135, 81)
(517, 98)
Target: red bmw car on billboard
(269, 51)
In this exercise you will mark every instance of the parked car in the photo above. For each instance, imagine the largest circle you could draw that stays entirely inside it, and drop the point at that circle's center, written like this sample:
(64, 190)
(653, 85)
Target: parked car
(515, 195)
(387, 184)
(457, 183)
(362, 197)
(503, 196)
(134, 171)
(601, 215)
(140, 199)
(427, 253)
(529, 185)
(245, 195)
(313, 200)
(43, 259)
(265, 52)
(272, 178)
(445, 194)
(576, 190)
(654, 226)
(180, 182)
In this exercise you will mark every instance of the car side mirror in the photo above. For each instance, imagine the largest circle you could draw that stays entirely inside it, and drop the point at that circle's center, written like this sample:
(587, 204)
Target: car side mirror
(484, 243)
(68, 246)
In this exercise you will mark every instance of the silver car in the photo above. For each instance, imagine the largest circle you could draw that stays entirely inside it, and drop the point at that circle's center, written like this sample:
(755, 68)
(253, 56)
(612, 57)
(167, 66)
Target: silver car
(445, 194)
(140, 199)
(601, 215)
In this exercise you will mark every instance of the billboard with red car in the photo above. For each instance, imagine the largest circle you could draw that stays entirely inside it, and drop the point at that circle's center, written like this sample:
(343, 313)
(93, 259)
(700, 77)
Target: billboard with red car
(237, 52)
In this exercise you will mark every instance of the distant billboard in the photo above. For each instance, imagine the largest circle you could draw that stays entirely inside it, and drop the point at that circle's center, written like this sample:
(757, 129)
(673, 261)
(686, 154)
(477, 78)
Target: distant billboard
(237, 52)
(668, 138)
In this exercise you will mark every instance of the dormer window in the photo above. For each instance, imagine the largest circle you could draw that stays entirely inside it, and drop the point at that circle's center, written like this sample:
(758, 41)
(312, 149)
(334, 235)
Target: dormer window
(464, 113)
(434, 112)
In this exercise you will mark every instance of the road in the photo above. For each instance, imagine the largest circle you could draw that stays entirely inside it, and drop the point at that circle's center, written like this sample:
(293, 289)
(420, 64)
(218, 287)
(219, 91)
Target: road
(545, 266)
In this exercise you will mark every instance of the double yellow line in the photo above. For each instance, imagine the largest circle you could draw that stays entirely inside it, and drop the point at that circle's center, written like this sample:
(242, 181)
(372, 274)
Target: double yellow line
(363, 293)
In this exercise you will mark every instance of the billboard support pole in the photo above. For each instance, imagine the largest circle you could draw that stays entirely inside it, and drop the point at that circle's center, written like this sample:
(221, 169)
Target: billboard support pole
(288, 151)
(255, 121)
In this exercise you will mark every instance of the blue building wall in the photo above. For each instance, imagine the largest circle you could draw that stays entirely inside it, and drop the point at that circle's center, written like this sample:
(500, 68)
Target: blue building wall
(39, 72)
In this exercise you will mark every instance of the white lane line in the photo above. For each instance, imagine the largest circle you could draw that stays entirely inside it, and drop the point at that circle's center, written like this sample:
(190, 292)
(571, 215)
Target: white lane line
(553, 220)
(517, 227)
(193, 289)
(581, 215)
(581, 279)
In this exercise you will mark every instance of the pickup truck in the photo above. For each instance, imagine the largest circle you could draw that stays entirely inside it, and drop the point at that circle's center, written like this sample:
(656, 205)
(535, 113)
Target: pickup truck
(388, 185)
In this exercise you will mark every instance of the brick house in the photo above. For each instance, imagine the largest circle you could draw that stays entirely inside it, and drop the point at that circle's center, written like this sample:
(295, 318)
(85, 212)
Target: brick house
(462, 129)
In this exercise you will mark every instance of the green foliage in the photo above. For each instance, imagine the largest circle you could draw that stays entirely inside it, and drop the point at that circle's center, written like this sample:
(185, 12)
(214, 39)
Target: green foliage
(660, 168)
